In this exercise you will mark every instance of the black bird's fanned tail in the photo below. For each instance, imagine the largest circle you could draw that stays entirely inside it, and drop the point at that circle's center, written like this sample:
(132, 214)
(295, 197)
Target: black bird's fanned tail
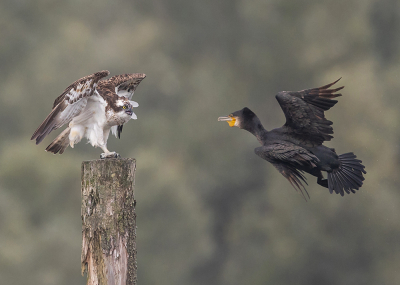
(348, 177)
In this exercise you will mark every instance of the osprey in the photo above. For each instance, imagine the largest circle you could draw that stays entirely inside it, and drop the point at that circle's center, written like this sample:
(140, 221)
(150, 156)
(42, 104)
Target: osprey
(91, 107)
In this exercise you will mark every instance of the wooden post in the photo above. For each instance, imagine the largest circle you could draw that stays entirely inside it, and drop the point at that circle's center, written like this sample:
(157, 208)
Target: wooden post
(109, 222)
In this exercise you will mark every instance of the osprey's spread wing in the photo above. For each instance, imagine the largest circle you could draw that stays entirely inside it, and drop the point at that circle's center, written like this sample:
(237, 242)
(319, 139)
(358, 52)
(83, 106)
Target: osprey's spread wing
(69, 104)
(288, 158)
(304, 112)
(124, 86)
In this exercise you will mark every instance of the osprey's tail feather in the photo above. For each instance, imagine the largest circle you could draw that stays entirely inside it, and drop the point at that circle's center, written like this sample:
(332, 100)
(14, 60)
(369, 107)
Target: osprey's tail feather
(60, 143)
(348, 177)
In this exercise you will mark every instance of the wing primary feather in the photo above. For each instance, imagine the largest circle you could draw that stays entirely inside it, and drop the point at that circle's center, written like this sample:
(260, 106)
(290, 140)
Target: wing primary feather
(330, 84)
(47, 126)
(304, 112)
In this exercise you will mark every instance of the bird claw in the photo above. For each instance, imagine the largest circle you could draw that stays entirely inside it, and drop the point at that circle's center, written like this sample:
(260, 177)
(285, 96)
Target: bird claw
(110, 155)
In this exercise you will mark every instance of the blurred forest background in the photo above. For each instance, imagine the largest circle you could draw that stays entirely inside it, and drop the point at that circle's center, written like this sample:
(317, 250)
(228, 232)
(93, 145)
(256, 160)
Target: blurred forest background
(209, 211)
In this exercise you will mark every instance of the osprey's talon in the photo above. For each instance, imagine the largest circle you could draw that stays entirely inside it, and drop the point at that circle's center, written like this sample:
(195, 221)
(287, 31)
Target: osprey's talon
(110, 155)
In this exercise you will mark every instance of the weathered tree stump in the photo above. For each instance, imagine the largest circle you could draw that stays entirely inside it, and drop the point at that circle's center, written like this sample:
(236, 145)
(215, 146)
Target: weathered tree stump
(109, 222)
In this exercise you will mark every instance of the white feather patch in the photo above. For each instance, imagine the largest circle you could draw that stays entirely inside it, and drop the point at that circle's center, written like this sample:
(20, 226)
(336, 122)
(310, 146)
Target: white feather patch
(120, 103)
(134, 104)
(71, 111)
(123, 93)
(114, 130)
(134, 117)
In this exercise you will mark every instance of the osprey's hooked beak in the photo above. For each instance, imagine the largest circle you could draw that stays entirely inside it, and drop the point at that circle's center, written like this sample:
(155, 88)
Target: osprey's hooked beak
(129, 111)
(230, 119)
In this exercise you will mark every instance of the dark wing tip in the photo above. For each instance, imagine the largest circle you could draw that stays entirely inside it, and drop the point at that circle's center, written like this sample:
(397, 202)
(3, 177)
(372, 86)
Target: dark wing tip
(140, 75)
(46, 126)
(297, 185)
(325, 92)
(102, 73)
(330, 84)
(295, 177)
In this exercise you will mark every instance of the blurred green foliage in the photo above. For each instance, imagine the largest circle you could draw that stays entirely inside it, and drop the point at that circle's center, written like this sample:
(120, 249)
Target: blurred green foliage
(209, 211)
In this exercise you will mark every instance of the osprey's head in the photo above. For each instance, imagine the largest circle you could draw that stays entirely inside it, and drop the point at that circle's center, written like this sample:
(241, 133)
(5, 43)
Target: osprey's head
(125, 108)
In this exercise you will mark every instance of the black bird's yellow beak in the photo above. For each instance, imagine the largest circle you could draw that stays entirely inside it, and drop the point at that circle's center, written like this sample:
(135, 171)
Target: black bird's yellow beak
(230, 119)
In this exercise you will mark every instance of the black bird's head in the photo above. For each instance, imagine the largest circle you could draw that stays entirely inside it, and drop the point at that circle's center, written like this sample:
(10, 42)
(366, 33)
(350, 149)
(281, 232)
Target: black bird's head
(243, 119)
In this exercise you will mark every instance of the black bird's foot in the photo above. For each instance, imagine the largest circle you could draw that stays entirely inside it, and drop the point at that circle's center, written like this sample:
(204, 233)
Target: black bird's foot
(110, 155)
(323, 182)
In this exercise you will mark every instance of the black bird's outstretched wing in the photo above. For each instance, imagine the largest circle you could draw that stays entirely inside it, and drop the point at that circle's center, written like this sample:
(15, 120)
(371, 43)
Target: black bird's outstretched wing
(304, 112)
(288, 158)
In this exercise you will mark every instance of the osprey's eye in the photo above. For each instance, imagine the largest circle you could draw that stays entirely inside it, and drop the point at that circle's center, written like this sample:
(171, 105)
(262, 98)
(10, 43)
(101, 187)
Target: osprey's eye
(124, 107)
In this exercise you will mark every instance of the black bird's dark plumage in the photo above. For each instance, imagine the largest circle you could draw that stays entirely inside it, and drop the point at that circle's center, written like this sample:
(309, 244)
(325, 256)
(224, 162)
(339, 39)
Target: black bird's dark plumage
(296, 147)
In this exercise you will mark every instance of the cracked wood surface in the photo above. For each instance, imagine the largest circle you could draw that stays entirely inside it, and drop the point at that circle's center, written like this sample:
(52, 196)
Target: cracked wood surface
(109, 222)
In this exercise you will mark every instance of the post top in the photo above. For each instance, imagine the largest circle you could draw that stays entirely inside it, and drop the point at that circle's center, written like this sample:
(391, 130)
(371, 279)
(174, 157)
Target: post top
(110, 159)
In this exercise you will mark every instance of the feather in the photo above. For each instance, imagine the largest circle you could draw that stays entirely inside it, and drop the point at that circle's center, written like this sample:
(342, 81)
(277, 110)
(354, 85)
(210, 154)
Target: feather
(304, 112)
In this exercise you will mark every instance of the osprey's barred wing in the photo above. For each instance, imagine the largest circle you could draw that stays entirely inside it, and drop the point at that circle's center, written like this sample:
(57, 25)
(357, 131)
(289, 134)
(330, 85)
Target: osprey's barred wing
(124, 86)
(304, 112)
(80, 84)
(69, 104)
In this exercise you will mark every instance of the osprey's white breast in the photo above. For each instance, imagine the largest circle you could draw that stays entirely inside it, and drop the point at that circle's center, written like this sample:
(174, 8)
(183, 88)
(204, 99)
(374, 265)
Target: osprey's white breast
(91, 122)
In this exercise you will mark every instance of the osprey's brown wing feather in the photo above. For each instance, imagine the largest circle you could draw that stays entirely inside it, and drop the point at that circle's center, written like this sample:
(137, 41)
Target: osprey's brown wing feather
(304, 112)
(123, 84)
(77, 85)
(69, 104)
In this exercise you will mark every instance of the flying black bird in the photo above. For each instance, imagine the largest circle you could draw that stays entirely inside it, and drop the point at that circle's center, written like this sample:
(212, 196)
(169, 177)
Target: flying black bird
(296, 147)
